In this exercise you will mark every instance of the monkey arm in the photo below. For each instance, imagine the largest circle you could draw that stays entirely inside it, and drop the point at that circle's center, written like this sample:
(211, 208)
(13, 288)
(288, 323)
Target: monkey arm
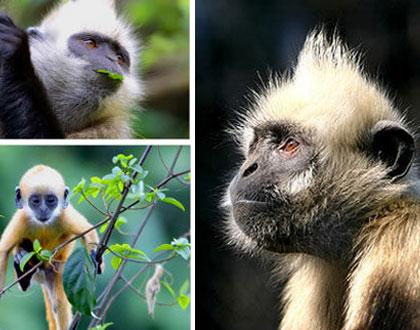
(383, 291)
(9, 239)
(24, 108)
(76, 224)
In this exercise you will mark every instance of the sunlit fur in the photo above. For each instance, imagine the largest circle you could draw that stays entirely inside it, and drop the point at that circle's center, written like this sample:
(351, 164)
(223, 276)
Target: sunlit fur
(65, 79)
(329, 95)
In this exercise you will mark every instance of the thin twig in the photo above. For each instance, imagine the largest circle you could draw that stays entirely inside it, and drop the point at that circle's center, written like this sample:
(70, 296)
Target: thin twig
(107, 236)
(141, 295)
(136, 261)
(93, 205)
(106, 299)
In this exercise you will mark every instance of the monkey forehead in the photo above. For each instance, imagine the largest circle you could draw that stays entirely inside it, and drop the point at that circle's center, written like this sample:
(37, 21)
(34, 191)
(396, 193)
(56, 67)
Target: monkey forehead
(328, 92)
(89, 16)
(42, 179)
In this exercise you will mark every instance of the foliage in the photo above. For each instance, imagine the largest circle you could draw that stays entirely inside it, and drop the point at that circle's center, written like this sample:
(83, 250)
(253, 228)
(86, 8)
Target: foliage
(126, 182)
(79, 281)
(111, 75)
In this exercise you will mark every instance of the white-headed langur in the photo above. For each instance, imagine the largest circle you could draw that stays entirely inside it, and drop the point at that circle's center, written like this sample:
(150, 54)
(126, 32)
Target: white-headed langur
(327, 191)
(73, 76)
(45, 214)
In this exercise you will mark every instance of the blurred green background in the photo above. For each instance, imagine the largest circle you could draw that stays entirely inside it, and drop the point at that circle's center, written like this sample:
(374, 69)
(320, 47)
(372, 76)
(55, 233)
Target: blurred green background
(23, 311)
(163, 28)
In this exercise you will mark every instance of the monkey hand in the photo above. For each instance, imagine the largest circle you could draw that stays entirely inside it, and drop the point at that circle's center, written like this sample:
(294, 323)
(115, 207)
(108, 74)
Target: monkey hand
(98, 263)
(13, 40)
(17, 258)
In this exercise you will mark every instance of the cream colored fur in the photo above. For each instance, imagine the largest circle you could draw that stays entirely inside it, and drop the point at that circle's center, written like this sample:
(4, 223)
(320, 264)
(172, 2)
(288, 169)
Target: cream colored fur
(329, 94)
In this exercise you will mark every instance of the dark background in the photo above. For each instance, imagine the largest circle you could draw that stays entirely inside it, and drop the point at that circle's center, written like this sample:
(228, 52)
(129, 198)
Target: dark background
(238, 40)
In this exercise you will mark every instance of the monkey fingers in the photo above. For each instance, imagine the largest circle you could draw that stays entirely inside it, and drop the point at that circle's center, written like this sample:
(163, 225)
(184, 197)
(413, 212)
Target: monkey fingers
(97, 260)
(11, 37)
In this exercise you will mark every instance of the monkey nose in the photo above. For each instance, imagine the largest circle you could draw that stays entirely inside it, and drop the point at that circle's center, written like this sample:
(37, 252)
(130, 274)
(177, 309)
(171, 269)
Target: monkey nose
(249, 170)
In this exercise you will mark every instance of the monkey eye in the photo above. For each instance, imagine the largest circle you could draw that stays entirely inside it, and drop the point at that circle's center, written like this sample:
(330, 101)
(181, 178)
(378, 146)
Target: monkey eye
(90, 43)
(35, 200)
(290, 146)
(51, 200)
(120, 59)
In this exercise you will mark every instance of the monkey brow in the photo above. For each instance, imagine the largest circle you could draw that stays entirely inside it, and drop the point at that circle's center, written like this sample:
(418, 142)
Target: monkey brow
(116, 46)
(276, 130)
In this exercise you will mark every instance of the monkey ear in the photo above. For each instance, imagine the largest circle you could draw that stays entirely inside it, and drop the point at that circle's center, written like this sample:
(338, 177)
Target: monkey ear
(66, 197)
(18, 198)
(394, 146)
(35, 33)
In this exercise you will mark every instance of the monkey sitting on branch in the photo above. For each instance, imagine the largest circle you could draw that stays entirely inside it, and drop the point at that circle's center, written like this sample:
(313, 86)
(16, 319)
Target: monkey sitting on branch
(327, 189)
(44, 214)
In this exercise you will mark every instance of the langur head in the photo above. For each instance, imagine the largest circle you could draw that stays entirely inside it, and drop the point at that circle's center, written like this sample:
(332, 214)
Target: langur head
(322, 149)
(42, 193)
(87, 58)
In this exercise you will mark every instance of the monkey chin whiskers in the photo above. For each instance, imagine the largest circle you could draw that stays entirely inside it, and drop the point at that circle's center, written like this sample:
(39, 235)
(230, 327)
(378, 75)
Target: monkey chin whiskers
(249, 201)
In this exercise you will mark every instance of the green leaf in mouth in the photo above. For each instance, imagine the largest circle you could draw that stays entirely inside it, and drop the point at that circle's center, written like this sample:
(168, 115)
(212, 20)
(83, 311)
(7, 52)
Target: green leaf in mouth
(111, 75)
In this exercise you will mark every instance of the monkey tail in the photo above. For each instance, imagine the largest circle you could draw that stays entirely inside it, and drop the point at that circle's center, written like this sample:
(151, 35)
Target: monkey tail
(48, 310)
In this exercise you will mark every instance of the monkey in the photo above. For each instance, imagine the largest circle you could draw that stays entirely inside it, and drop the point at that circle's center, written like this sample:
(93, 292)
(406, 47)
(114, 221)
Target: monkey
(327, 191)
(56, 78)
(44, 213)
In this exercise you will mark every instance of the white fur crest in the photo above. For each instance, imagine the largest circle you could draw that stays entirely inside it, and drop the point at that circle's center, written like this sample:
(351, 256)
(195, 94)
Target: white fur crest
(328, 92)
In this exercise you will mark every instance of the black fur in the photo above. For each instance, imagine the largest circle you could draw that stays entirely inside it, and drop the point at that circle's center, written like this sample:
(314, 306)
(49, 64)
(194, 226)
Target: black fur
(25, 247)
(24, 108)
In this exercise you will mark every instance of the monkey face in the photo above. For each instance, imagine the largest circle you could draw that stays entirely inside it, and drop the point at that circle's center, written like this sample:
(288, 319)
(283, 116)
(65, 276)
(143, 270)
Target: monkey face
(101, 53)
(293, 195)
(42, 206)
(271, 182)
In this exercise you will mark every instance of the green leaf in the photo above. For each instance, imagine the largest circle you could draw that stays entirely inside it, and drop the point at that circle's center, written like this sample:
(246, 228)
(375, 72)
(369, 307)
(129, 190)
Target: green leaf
(103, 228)
(102, 327)
(184, 287)
(180, 242)
(79, 187)
(183, 301)
(25, 260)
(111, 75)
(44, 255)
(182, 247)
(187, 177)
(164, 247)
(173, 201)
(169, 288)
(115, 262)
(79, 281)
(37, 246)
(184, 252)
(125, 251)
(120, 222)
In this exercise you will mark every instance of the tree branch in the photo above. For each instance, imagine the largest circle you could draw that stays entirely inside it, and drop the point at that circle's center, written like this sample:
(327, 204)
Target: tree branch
(107, 236)
(106, 299)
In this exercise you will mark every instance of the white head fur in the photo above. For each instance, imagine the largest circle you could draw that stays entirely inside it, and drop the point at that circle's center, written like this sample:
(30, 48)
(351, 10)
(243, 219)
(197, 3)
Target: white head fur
(57, 68)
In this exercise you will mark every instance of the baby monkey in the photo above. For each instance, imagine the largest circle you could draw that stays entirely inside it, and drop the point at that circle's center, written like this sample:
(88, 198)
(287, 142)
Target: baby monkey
(44, 214)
